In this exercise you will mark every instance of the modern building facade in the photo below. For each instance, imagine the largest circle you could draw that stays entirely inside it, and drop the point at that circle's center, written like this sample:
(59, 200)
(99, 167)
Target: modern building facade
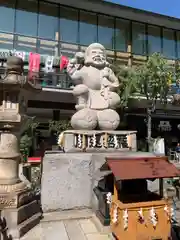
(67, 26)
(63, 27)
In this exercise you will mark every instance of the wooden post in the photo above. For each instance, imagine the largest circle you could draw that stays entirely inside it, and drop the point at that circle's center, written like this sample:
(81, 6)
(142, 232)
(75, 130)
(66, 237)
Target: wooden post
(161, 187)
(115, 190)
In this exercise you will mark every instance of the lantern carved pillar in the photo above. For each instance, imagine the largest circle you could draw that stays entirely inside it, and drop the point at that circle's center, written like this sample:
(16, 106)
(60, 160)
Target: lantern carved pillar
(14, 93)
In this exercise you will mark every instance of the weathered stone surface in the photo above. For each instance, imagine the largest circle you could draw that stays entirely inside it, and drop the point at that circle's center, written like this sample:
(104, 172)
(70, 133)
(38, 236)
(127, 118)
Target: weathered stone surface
(14, 89)
(19, 212)
(95, 90)
(68, 179)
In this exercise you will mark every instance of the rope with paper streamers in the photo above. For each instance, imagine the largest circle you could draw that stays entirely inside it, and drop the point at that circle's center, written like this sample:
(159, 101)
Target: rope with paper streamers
(153, 217)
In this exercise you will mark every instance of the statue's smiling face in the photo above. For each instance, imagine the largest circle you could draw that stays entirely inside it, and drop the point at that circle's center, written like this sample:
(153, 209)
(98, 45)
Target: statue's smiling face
(98, 56)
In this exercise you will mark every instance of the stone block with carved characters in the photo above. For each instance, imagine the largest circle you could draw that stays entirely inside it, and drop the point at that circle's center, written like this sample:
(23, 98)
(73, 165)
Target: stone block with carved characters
(91, 141)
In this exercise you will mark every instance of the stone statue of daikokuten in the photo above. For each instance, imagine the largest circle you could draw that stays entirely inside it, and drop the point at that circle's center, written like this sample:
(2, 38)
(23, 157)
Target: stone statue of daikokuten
(95, 90)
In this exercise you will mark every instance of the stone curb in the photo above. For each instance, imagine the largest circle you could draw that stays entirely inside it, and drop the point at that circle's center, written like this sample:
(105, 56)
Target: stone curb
(67, 215)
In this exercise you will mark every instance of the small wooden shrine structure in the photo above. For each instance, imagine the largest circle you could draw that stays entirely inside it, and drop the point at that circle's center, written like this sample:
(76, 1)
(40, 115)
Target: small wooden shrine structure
(136, 212)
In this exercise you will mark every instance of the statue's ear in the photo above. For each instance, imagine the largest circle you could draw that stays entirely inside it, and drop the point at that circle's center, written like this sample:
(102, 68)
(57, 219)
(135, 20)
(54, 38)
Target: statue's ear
(108, 64)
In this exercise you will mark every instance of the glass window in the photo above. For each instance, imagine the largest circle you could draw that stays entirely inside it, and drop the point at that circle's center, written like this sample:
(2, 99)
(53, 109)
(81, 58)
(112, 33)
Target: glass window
(6, 41)
(122, 35)
(48, 47)
(110, 56)
(68, 49)
(48, 21)
(25, 44)
(106, 31)
(7, 13)
(138, 39)
(26, 17)
(154, 39)
(178, 45)
(69, 25)
(169, 43)
(88, 28)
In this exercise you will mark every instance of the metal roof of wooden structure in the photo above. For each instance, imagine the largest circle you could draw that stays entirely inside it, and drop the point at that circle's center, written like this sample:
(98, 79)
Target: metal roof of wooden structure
(125, 168)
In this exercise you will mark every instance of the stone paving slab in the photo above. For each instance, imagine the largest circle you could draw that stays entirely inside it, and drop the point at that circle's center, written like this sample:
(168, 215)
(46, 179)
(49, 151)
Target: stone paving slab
(88, 226)
(74, 230)
(97, 237)
(80, 229)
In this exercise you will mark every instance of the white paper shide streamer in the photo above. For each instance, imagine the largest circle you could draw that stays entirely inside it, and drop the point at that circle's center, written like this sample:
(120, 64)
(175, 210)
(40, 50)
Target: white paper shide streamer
(125, 219)
(166, 209)
(141, 216)
(94, 140)
(79, 141)
(89, 141)
(116, 145)
(115, 215)
(153, 217)
(109, 198)
(172, 215)
(60, 139)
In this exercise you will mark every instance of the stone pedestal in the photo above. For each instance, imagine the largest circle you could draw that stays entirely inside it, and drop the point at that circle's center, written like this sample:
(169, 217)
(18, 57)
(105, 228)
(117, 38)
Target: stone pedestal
(69, 179)
(21, 212)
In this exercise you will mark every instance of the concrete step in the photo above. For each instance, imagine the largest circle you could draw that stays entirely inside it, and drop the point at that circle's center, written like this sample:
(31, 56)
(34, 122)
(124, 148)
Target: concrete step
(67, 215)
(28, 224)
(28, 210)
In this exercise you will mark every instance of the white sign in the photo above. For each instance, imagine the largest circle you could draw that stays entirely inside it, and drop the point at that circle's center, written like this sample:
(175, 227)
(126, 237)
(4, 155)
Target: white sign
(164, 126)
(158, 146)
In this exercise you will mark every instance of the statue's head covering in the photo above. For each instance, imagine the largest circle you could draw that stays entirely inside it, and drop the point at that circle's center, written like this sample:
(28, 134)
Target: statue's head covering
(88, 52)
(94, 46)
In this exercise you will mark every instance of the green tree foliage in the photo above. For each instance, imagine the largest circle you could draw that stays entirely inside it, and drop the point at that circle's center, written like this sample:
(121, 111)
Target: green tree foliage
(129, 82)
(153, 78)
(26, 140)
(149, 80)
(59, 126)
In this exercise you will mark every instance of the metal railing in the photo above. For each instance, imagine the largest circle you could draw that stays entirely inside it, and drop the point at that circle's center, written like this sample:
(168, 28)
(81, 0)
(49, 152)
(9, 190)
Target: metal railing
(60, 80)
(54, 80)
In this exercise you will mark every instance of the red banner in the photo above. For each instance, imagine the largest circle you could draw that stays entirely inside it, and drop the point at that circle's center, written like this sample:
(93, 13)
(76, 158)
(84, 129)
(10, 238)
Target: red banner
(34, 64)
(64, 62)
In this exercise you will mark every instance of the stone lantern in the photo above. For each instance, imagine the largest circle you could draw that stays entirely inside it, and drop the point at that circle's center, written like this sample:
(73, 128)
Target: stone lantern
(14, 92)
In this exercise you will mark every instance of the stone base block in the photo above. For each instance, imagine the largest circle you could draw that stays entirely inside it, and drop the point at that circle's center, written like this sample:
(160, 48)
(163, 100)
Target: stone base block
(98, 141)
(104, 221)
(21, 215)
(68, 179)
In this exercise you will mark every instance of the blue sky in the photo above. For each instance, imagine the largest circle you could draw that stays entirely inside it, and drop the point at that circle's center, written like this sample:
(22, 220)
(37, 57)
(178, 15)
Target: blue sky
(166, 7)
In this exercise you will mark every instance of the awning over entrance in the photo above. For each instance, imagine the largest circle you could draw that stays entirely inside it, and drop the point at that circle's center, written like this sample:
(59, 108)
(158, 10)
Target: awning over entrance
(142, 168)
